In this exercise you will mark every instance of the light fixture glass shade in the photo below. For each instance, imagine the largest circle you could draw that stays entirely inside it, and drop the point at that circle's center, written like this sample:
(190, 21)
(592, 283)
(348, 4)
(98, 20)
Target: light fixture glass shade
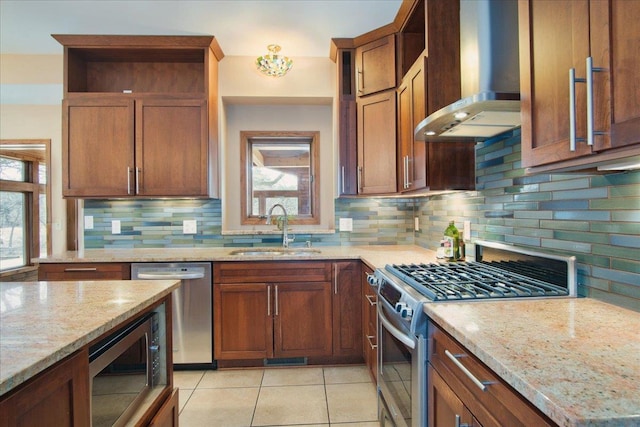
(272, 64)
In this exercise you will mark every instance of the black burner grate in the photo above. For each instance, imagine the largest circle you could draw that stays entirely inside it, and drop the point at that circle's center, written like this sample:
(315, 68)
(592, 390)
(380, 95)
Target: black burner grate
(474, 280)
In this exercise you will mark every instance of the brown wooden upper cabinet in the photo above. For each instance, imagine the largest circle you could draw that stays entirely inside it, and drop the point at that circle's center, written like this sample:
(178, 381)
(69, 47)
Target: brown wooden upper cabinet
(376, 66)
(376, 134)
(140, 116)
(375, 82)
(412, 155)
(556, 37)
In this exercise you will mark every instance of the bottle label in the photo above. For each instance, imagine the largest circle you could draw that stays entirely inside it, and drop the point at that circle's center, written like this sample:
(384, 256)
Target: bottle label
(448, 243)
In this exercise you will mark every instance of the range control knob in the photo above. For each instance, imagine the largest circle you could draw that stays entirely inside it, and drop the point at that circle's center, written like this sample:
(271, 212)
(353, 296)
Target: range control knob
(373, 280)
(405, 311)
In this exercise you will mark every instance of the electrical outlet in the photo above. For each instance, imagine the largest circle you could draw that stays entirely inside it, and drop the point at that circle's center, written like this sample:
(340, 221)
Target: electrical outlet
(346, 224)
(467, 231)
(189, 226)
(416, 224)
(115, 226)
(88, 222)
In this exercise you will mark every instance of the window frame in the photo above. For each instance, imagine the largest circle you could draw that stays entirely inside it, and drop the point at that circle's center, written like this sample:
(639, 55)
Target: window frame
(246, 138)
(32, 189)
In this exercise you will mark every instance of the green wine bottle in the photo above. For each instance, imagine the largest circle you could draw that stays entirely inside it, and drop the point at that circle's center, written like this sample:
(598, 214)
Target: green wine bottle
(452, 242)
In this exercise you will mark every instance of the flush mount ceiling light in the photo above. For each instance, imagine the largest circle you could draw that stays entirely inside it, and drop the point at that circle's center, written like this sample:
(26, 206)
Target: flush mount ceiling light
(272, 64)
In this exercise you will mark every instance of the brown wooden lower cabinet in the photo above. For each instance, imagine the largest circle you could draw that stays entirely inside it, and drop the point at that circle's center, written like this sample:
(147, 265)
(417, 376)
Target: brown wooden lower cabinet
(272, 320)
(167, 416)
(60, 396)
(347, 310)
(453, 393)
(84, 271)
(57, 397)
(287, 309)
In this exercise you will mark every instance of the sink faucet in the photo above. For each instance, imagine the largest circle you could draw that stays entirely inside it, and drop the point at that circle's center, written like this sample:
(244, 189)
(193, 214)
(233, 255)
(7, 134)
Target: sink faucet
(285, 234)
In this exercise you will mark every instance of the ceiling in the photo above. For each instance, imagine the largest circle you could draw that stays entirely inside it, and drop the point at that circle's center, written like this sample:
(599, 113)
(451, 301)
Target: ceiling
(242, 27)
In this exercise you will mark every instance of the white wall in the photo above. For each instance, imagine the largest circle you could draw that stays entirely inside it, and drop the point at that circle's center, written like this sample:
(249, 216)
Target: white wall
(302, 101)
(275, 118)
(30, 108)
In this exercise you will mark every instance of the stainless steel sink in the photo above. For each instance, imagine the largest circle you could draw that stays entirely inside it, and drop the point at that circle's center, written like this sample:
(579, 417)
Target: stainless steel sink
(274, 252)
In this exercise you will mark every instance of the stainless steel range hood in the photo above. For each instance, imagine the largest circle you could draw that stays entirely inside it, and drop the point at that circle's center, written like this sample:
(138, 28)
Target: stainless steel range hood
(490, 79)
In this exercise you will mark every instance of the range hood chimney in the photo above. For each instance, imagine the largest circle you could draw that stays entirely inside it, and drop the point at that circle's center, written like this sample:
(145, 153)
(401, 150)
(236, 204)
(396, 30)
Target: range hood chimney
(490, 76)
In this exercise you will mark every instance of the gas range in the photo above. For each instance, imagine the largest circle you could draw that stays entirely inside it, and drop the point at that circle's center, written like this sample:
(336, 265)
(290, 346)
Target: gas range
(498, 271)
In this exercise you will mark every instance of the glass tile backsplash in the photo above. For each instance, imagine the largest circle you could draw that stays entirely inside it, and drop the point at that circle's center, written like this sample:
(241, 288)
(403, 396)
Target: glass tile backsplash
(594, 217)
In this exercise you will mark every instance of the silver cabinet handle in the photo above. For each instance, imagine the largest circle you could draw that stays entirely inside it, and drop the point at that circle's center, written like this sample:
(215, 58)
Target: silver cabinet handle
(343, 180)
(269, 300)
(458, 422)
(276, 303)
(572, 109)
(454, 358)
(371, 300)
(128, 180)
(80, 269)
(407, 181)
(138, 180)
(371, 344)
(359, 80)
(335, 278)
(359, 179)
(590, 115)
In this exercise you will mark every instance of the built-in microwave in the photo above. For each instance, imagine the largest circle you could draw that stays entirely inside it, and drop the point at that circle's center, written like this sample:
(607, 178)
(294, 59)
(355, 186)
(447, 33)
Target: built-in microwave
(128, 370)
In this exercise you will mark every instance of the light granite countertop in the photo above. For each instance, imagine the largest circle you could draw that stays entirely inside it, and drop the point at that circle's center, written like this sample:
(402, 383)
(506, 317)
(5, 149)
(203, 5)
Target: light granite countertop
(375, 255)
(577, 360)
(41, 323)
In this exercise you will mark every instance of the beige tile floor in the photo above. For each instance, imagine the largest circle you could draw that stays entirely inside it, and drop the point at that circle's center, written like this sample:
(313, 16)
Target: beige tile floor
(293, 396)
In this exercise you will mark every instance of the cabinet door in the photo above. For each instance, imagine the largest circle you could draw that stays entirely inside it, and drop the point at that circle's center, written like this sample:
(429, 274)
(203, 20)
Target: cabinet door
(97, 147)
(243, 322)
(445, 408)
(171, 147)
(167, 415)
(377, 143)
(615, 46)
(347, 309)
(302, 319)
(554, 37)
(57, 397)
(412, 160)
(376, 66)
(348, 148)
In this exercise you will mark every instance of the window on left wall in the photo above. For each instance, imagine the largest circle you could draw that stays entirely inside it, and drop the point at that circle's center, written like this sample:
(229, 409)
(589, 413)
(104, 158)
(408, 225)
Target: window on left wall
(25, 198)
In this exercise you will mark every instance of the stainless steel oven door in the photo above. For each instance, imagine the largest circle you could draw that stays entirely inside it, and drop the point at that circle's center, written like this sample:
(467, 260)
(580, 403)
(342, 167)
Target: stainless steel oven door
(401, 370)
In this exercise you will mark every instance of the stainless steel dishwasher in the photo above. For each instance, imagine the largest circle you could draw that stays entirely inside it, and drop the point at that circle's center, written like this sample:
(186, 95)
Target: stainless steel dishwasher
(192, 310)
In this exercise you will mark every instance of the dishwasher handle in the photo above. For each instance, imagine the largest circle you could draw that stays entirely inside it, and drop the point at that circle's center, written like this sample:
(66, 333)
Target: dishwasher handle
(170, 276)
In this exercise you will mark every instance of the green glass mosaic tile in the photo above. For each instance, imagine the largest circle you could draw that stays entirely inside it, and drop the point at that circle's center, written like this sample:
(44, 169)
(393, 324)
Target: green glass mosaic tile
(616, 203)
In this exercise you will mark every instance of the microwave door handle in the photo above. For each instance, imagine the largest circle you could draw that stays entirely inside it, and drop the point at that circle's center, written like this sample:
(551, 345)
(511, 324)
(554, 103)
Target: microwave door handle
(404, 339)
(170, 276)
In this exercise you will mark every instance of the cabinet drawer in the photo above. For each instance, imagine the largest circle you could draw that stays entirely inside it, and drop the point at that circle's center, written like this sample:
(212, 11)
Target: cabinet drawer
(268, 272)
(84, 271)
(491, 400)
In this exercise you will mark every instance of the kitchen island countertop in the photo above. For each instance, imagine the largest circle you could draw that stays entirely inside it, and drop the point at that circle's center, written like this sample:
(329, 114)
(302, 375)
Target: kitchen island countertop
(577, 360)
(41, 323)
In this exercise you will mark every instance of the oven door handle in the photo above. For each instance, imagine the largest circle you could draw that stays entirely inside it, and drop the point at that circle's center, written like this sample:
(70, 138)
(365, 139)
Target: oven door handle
(403, 338)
